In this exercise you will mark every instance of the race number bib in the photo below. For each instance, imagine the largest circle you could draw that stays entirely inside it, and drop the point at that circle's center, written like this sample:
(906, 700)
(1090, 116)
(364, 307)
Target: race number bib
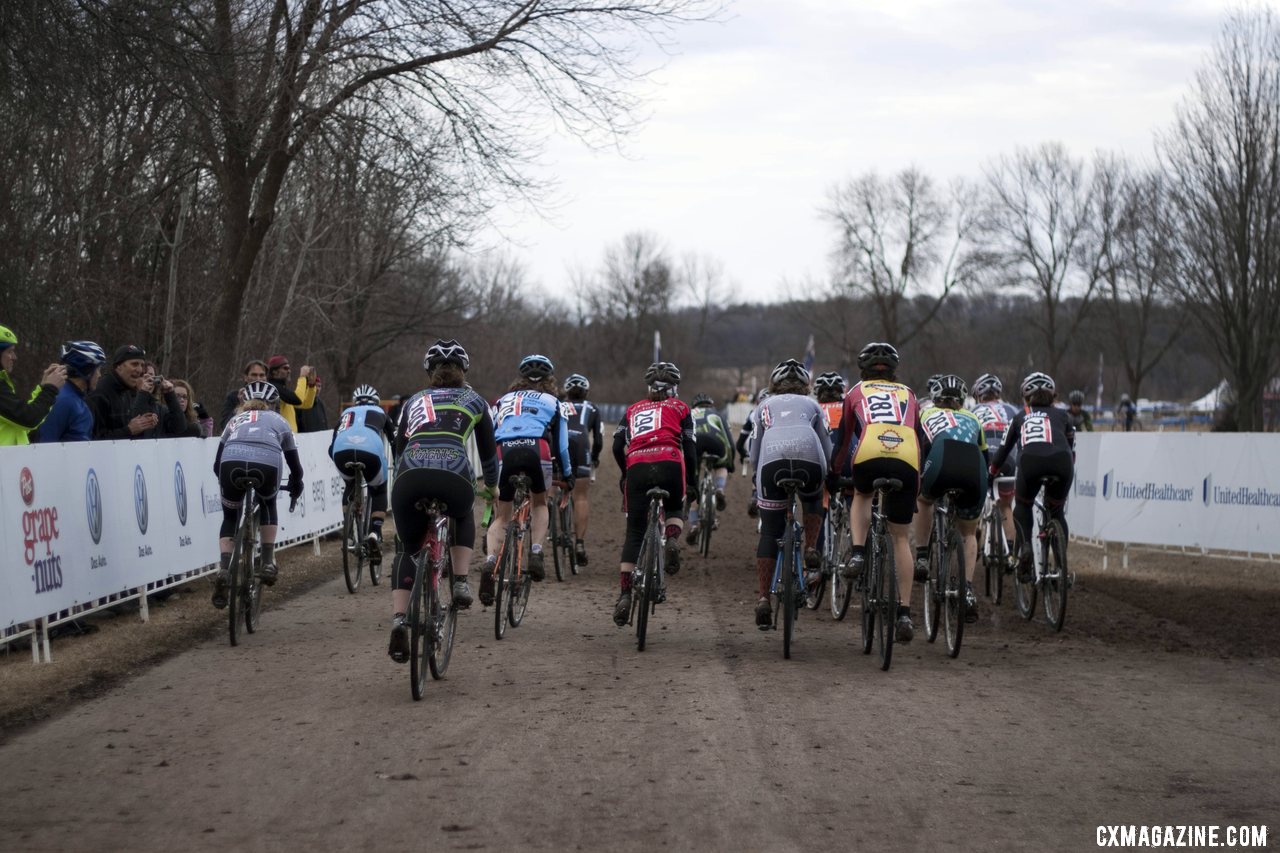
(1036, 429)
(882, 408)
(643, 422)
(937, 422)
(568, 410)
(421, 413)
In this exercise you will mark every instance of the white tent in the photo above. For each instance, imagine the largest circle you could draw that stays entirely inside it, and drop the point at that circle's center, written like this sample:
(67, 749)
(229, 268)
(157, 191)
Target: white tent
(1214, 400)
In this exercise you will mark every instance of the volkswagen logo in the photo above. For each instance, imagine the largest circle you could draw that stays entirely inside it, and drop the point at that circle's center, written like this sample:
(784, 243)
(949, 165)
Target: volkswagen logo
(93, 505)
(140, 498)
(180, 492)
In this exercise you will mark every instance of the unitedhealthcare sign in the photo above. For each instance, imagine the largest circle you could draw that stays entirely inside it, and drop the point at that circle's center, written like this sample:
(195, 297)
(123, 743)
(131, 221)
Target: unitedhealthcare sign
(1131, 490)
(1238, 495)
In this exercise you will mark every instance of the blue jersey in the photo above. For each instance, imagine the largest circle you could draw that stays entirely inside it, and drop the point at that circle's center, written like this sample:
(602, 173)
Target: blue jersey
(362, 428)
(70, 419)
(533, 414)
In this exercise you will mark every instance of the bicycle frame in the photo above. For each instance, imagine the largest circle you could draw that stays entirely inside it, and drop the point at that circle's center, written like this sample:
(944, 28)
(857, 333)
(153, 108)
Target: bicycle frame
(644, 598)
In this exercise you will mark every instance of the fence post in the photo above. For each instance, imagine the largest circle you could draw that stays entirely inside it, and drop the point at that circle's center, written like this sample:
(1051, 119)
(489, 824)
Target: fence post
(43, 636)
(144, 605)
(315, 547)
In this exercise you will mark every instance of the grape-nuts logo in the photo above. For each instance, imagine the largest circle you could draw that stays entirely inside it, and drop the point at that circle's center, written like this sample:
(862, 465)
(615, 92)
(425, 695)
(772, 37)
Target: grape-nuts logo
(93, 505)
(27, 485)
(180, 492)
(140, 498)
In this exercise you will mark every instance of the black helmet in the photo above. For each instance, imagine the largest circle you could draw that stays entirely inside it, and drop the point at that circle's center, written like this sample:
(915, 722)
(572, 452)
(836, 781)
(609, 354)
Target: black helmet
(950, 387)
(829, 381)
(446, 352)
(1076, 398)
(536, 367)
(703, 400)
(662, 376)
(878, 353)
(789, 370)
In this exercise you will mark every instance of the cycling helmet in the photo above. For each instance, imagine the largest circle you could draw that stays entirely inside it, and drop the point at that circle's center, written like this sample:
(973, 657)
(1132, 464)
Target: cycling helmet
(662, 375)
(577, 380)
(446, 352)
(263, 391)
(703, 400)
(1037, 382)
(535, 367)
(82, 357)
(365, 395)
(1076, 398)
(762, 396)
(949, 387)
(829, 381)
(789, 370)
(987, 383)
(878, 353)
(934, 384)
(7, 337)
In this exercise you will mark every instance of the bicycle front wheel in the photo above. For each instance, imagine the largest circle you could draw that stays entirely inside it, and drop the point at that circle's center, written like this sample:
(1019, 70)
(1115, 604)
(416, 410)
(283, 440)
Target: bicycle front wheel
(1056, 580)
(554, 538)
(886, 601)
(522, 582)
(932, 588)
(443, 621)
(648, 581)
(419, 627)
(570, 533)
(953, 601)
(502, 588)
(351, 546)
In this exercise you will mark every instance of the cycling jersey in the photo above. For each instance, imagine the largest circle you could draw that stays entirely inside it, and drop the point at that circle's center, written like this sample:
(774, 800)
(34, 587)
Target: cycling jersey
(361, 428)
(706, 422)
(656, 431)
(582, 419)
(957, 424)
(833, 412)
(995, 417)
(534, 414)
(256, 435)
(1081, 420)
(792, 427)
(884, 418)
(1040, 430)
(433, 431)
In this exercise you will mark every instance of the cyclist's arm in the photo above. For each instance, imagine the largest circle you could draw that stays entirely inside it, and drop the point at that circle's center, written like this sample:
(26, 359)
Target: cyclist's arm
(217, 457)
(294, 461)
(562, 431)
(334, 438)
(306, 394)
(597, 437)
(487, 448)
(403, 427)
(287, 395)
(824, 435)
(1010, 439)
(620, 446)
(689, 446)
(743, 435)
(1088, 420)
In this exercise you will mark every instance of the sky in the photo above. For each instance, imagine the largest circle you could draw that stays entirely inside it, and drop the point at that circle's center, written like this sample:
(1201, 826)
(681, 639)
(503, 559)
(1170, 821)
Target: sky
(751, 121)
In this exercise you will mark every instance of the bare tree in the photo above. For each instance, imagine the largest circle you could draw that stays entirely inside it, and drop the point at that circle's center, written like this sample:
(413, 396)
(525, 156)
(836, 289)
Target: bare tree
(1040, 221)
(901, 238)
(1222, 166)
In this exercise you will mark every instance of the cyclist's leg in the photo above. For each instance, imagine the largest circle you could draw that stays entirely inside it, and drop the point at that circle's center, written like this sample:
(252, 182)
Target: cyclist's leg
(411, 529)
(1028, 483)
(1056, 495)
(638, 481)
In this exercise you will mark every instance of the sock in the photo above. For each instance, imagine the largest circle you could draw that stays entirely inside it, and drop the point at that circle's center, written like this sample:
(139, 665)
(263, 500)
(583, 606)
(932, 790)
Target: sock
(376, 527)
(673, 531)
(537, 547)
(626, 581)
(490, 561)
(858, 550)
(923, 551)
(904, 610)
(268, 552)
(460, 577)
(721, 480)
(225, 561)
(693, 517)
(397, 616)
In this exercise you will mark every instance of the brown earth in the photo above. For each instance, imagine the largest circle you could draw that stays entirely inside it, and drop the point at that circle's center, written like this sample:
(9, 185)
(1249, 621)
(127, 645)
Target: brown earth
(1155, 705)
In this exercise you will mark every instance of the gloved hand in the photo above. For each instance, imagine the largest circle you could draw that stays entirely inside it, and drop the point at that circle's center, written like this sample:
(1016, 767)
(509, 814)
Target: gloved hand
(487, 493)
(622, 484)
(833, 482)
(568, 481)
(993, 472)
(295, 486)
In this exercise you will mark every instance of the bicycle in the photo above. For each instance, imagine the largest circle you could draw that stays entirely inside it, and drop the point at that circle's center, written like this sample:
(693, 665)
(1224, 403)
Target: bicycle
(244, 588)
(837, 552)
(560, 530)
(878, 585)
(648, 578)
(993, 543)
(706, 507)
(511, 580)
(433, 618)
(356, 517)
(944, 590)
(787, 587)
(1049, 566)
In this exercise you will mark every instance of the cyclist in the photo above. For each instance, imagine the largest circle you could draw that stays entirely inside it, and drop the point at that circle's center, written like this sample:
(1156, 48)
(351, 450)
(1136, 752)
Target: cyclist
(1046, 443)
(527, 423)
(880, 429)
(21, 414)
(71, 419)
(1080, 417)
(1126, 412)
(956, 457)
(996, 415)
(251, 444)
(653, 446)
(791, 441)
(743, 447)
(583, 421)
(711, 438)
(357, 439)
(431, 463)
(829, 389)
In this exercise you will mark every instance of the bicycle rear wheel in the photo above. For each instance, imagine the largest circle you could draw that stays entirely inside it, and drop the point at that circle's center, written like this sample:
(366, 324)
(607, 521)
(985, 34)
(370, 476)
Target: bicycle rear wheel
(554, 537)
(707, 506)
(788, 591)
(351, 546)
(953, 605)
(1056, 580)
(1025, 595)
(522, 582)
(375, 569)
(443, 620)
(234, 605)
(419, 627)
(933, 587)
(886, 601)
(648, 580)
(570, 533)
(867, 586)
(252, 593)
(999, 558)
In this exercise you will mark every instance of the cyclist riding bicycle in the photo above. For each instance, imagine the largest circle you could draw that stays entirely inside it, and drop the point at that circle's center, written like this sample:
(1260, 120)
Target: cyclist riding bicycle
(432, 464)
(791, 442)
(829, 389)
(1046, 443)
(743, 446)
(996, 415)
(711, 438)
(1126, 412)
(880, 429)
(654, 447)
(251, 445)
(357, 440)
(583, 421)
(956, 457)
(1079, 415)
(530, 432)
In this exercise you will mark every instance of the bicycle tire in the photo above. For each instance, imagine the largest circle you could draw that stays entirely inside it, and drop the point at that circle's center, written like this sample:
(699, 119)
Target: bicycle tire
(518, 600)
(933, 584)
(887, 620)
(953, 600)
(1000, 555)
(570, 535)
(233, 584)
(841, 587)
(707, 504)
(419, 613)
(647, 580)
(866, 590)
(1025, 596)
(252, 595)
(553, 536)
(502, 586)
(374, 570)
(443, 619)
(1056, 580)
(350, 565)
(788, 592)
(986, 548)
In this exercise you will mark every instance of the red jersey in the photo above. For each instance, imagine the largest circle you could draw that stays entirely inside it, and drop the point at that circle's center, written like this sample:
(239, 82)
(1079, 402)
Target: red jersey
(655, 430)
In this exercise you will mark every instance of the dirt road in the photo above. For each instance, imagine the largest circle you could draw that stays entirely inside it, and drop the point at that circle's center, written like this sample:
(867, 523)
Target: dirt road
(562, 736)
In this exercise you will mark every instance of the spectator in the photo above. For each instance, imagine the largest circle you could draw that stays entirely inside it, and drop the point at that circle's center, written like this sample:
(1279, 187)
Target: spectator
(254, 371)
(20, 415)
(292, 397)
(71, 418)
(164, 402)
(316, 418)
(119, 409)
(192, 409)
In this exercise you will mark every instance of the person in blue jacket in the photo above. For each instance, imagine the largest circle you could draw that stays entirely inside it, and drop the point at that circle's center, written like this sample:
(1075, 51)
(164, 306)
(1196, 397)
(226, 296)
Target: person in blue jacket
(357, 440)
(71, 419)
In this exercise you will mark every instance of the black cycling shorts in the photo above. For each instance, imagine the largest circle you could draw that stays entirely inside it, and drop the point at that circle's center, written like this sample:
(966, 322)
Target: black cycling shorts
(772, 498)
(900, 506)
(372, 465)
(956, 465)
(642, 477)
(229, 474)
(578, 460)
(416, 484)
(711, 447)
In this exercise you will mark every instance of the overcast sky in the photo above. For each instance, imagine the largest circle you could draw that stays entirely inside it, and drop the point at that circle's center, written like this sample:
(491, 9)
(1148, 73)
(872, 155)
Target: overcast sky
(754, 119)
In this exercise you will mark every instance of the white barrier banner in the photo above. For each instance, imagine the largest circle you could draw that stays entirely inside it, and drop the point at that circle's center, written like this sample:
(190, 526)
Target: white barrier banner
(1208, 490)
(85, 520)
